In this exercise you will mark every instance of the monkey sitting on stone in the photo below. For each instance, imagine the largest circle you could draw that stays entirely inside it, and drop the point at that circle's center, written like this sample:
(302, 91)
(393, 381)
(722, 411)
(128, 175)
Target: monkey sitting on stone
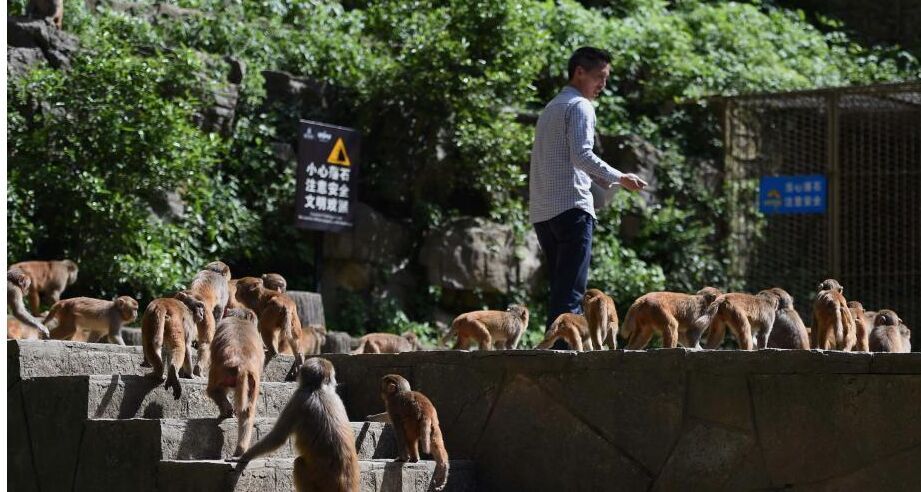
(387, 343)
(889, 334)
(415, 425)
(601, 315)
(571, 328)
(98, 316)
(672, 314)
(488, 328)
(323, 436)
(833, 325)
(788, 331)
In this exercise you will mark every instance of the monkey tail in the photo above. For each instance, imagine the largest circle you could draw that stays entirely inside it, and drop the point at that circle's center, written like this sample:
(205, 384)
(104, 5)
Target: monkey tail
(246, 386)
(704, 321)
(439, 454)
(425, 435)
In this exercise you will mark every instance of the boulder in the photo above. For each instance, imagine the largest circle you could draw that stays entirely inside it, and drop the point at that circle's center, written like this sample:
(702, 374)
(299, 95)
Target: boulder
(473, 253)
(25, 36)
(285, 87)
(337, 342)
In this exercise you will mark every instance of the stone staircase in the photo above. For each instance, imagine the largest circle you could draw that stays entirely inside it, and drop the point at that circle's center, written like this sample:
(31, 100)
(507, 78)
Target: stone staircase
(85, 417)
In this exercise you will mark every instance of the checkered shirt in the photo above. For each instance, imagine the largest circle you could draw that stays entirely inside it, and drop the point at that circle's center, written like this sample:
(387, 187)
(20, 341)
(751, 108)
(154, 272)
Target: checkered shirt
(562, 162)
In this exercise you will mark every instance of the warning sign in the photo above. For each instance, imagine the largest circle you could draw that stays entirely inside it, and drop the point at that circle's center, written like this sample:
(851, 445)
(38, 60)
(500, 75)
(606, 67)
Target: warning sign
(326, 176)
(339, 155)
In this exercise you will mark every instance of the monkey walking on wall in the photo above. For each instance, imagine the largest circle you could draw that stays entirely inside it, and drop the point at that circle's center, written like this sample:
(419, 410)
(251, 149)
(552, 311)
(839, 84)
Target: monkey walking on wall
(168, 323)
(387, 343)
(502, 329)
(48, 280)
(98, 316)
(671, 314)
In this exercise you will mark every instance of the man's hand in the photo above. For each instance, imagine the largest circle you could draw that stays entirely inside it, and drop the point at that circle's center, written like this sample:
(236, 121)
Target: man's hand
(632, 182)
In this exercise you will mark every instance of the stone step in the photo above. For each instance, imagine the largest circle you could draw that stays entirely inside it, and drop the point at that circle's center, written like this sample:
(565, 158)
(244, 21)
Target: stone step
(125, 397)
(275, 475)
(210, 438)
(45, 358)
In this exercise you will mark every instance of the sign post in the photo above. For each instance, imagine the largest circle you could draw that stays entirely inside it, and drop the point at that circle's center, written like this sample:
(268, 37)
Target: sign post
(793, 194)
(327, 169)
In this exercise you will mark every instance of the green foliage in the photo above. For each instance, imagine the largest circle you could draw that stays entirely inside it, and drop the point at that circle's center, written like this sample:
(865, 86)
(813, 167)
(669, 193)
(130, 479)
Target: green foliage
(94, 152)
(434, 87)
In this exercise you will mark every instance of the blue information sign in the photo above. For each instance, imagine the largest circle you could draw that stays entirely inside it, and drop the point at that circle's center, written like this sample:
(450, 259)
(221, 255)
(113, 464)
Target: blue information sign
(793, 194)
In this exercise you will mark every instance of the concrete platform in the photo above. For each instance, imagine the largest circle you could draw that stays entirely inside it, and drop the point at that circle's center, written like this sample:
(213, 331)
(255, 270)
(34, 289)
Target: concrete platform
(275, 475)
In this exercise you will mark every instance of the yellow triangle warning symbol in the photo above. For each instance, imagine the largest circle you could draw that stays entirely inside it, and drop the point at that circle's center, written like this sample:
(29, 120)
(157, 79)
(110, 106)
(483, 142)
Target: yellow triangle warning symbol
(338, 155)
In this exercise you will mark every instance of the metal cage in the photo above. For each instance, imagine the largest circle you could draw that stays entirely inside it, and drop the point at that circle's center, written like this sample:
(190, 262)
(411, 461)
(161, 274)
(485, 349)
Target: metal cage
(867, 142)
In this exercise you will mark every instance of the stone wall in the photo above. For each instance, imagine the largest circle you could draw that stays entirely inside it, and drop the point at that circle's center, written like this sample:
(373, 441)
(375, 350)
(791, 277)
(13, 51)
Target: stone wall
(665, 419)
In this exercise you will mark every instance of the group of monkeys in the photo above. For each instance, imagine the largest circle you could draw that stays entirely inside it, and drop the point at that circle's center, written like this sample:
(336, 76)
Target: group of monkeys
(234, 322)
(767, 318)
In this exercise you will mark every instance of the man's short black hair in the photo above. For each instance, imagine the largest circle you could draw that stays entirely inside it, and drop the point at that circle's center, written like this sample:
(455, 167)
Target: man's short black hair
(588, 58)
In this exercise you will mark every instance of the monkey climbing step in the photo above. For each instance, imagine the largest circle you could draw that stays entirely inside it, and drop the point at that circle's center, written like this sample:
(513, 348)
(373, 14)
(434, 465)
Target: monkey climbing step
(33, 359)
(275, 475)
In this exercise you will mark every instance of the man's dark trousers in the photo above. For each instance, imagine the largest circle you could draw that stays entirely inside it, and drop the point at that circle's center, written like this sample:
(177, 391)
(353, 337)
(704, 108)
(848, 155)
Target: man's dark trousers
(567, 243)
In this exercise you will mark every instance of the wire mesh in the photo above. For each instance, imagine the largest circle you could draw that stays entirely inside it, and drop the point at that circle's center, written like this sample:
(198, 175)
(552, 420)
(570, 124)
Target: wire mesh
(867, 141)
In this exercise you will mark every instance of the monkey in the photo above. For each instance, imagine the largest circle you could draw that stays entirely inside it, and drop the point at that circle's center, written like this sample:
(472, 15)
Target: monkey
(169, 323)
(208, 291)
(415, 425)
(277, 315)
(274, 281)
(237, 360)
(601, 315)
(232, 301)
(17, 285)
(834, 326)
(502, 328)
(387, 343)
(862, 325)
(95, 315)
(788, 331)
(49, 279)
(670, 313)
(323, 436)
(889, 334)
(745, 315)
(314, 338)
(337, 342)
(573, 329)
(42, 9)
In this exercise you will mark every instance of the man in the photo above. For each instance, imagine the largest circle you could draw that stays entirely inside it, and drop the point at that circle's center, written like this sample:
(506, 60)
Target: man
(562, 169)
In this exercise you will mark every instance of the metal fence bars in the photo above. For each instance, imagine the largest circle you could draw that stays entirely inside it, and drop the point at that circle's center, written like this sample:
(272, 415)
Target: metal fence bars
(866, 143)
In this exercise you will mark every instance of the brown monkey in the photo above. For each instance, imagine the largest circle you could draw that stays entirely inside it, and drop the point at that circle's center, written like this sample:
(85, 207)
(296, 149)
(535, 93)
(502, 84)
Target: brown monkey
(504, 328)
(415, 425)
(573, 329)
(746, 315)
(889, 334)
(323, 436)
(788, 331)
(95, 315)
(277, 315)
(208, 291)
(670, 313)
(169, 323)
(387, 343)
(834, 326)
(17, 285)
(314, 338)
(274, 281)
(601, 315)
(236, 363)
(232, 301)
(862, 324)
(49, 279)
(42, 9)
